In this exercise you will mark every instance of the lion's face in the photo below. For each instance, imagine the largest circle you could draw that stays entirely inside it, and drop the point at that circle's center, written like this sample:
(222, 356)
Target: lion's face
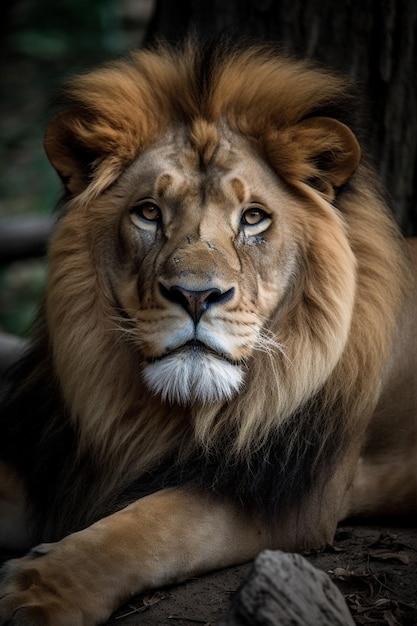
(206, 255)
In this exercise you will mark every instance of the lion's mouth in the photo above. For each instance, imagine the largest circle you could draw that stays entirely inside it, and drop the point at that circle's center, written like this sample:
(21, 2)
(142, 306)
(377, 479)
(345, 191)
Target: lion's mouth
(194, 372)
(195, 347)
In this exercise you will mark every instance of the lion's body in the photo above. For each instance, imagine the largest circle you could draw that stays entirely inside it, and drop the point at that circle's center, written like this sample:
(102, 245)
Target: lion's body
(226, 357)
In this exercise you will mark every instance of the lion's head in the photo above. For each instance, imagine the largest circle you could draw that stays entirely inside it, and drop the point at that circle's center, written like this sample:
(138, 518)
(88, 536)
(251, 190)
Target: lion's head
(215, 251)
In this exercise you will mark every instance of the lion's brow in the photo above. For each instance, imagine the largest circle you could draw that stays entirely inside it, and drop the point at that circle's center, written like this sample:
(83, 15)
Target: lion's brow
(239, 189)
(164, 183)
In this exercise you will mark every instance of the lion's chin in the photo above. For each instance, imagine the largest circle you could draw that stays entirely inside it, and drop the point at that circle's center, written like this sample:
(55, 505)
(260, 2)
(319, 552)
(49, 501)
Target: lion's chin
(188, 377)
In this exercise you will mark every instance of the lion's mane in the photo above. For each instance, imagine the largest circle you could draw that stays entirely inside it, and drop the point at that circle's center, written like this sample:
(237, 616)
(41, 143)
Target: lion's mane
(96, 435)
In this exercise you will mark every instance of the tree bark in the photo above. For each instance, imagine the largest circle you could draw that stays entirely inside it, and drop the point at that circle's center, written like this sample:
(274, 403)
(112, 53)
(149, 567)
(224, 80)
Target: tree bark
(373, 41)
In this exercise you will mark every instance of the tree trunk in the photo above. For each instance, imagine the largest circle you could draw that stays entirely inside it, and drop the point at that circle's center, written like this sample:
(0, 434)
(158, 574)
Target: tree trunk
(372, 41)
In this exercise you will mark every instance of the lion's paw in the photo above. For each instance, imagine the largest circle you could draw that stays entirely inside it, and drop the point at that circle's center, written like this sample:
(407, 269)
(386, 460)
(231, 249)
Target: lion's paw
(33, 594)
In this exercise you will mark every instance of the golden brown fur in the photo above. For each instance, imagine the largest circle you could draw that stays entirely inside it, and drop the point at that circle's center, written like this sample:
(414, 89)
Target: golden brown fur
(284, 329)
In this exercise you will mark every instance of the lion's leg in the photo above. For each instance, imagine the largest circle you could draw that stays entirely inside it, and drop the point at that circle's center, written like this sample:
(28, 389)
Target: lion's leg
(13, 531)
(384, 486)
(161, 539)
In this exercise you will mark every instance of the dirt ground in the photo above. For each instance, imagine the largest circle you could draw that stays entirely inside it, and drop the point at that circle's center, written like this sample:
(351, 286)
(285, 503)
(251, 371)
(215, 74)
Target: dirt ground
(374, 567)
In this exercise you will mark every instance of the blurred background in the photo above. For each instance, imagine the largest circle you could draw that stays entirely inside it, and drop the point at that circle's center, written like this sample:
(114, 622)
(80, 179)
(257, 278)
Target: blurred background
(43, 42)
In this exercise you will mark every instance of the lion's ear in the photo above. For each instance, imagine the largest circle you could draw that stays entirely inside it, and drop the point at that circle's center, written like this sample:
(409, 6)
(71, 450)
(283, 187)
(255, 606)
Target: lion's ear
(320, 151)
(85, 151)
(68, 153)
(332, 153)
(332, 150)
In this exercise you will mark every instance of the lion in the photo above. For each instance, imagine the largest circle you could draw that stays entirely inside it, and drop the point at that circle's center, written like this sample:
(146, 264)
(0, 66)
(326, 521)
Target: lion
(225, 358)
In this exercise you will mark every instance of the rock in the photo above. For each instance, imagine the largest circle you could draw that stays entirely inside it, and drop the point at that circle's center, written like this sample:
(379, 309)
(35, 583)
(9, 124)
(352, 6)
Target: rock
(286, 590)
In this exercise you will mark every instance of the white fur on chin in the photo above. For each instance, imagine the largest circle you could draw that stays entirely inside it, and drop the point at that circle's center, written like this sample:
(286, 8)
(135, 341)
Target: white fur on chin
(191, 376)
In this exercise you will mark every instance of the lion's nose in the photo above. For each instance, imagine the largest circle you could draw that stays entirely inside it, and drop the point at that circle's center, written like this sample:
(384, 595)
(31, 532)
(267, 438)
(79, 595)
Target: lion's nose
(196, 302)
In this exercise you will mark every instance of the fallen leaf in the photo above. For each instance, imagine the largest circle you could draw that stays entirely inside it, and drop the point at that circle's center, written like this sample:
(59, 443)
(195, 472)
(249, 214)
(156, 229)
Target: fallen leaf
(389, 555)
(341, 573)
(365, 619)
(390, 619)
(152, 598)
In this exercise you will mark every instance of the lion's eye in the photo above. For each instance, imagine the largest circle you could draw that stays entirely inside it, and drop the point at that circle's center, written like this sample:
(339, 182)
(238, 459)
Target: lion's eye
(148, 211)
(253, 216)
(254, 220)
(146, 214)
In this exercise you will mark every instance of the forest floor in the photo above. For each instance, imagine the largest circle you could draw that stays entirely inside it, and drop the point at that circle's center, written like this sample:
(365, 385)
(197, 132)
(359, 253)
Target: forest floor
(374, 567)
